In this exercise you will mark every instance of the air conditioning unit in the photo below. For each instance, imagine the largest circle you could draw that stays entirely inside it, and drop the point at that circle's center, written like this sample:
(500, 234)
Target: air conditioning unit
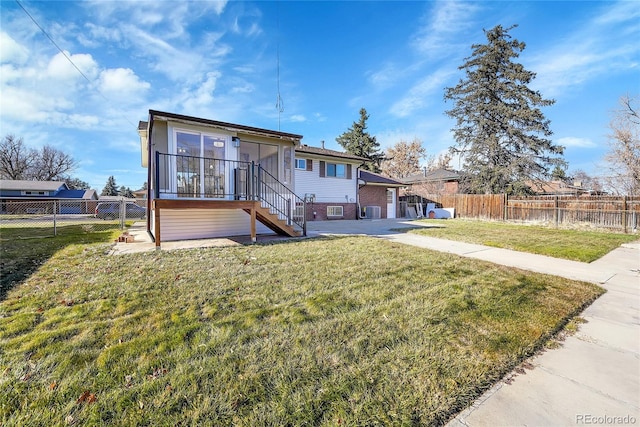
(372, 212)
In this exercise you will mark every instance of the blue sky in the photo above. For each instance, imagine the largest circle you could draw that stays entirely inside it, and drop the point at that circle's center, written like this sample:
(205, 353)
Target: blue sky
(218, 60)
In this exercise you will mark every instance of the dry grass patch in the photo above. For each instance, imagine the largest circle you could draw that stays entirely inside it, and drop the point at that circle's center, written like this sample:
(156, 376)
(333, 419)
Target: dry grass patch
(577, 245)
(349, 331)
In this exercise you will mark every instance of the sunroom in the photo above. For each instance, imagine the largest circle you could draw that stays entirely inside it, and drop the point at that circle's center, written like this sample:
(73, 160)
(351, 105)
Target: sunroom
(214, 179)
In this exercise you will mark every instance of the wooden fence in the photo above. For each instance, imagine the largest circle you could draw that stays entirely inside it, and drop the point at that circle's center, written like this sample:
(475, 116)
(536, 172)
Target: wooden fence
(608, 212)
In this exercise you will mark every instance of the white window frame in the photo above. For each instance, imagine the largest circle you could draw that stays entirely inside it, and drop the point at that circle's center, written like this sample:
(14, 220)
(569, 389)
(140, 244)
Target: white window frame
(173, 182)
(301, 162)
(332, 211)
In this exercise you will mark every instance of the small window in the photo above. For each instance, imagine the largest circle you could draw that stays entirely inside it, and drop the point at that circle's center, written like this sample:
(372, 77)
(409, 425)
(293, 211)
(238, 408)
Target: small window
(301, 164)
(390, 195)
(337, 170)
(335, 211)
(35, 193)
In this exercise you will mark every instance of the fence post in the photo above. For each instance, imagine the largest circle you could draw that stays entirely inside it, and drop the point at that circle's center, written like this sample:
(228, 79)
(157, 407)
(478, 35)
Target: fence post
(55, 228)
(556, 213)
(624, 214)
(505, 217)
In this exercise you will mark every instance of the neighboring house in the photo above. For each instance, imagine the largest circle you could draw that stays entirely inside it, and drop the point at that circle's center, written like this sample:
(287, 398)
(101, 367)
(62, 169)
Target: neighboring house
(378, 196)
(328, 180)
(214, 179)
(557, 188)
(438, 181)
(19, 196)
(140, 194)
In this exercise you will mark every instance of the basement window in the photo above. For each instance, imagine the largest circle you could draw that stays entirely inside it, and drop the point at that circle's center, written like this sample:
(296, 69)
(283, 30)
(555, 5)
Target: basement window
(333, 211)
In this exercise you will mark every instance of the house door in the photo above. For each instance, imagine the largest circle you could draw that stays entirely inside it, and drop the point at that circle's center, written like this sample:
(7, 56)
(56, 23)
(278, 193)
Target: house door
(200, 165)
(391, 202)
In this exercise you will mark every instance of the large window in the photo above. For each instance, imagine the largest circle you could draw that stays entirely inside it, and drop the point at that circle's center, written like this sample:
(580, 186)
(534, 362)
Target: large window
(337, 170)
(200, 166)
(264, 154)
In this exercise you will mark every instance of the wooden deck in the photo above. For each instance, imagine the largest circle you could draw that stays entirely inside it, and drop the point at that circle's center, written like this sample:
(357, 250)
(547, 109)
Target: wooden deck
(253, 208)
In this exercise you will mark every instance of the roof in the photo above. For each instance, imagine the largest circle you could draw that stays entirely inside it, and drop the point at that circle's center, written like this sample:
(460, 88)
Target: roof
(434, 175)
(328, 153)
(377, 179)
(160, 115)
(555, 187)
(78, 194)
(9, 184)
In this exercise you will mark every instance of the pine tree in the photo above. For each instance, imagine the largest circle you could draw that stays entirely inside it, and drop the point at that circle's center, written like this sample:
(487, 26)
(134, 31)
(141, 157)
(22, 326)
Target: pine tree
(358, 142)
(500, 131)
(125, 192)
(111, 188)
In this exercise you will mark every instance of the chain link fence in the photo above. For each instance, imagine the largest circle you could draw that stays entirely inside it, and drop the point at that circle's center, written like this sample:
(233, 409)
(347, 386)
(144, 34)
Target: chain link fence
(44, 218)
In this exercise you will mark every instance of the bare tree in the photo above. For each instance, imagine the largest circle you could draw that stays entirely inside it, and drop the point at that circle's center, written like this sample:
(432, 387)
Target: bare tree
(403, 159)
(582, 179)
(16, 160)
(52, 164)
(623, 158)
(443, 161)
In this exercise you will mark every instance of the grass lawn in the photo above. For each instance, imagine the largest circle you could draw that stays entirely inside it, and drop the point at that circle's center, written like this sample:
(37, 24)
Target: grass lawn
(585, 246)
(20, 257)
(341, 331)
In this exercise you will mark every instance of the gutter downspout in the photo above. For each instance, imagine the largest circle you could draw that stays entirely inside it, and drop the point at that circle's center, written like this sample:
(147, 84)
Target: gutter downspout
(359, 213)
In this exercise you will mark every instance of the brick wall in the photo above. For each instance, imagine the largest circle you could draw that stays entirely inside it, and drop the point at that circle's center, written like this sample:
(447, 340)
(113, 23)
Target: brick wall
(374, 196)
(349, 210)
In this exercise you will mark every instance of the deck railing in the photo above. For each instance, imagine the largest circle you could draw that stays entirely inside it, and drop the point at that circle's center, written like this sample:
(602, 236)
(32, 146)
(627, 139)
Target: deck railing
(182, 176)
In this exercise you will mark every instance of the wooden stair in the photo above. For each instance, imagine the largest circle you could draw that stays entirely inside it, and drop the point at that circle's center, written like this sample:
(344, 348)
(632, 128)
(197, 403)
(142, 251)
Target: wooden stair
(273, 222)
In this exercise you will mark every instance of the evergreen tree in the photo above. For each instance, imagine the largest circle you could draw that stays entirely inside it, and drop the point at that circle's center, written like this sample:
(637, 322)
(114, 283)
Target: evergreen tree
(77, 184)
(125, 192)
(500, 130)
(111, 188)
(358, 142)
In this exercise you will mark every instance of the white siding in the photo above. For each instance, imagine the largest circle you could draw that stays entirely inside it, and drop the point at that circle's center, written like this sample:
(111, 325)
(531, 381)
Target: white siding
(184, 224)
(326, 189)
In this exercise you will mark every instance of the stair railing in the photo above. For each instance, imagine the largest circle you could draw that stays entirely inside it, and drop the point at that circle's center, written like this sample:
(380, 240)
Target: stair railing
(278, 198)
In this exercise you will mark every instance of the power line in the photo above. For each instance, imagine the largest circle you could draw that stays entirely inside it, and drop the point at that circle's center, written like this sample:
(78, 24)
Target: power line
(67, 57)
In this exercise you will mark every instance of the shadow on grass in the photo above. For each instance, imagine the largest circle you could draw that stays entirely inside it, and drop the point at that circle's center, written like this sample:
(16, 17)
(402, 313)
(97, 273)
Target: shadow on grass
(20, 256)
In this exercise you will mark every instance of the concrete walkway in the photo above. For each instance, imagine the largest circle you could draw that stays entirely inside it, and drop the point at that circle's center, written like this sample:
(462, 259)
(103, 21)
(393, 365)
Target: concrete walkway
(592, 379)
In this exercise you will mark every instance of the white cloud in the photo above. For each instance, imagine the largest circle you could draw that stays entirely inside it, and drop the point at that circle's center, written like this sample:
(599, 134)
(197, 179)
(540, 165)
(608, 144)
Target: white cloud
(242, 87)
(121, 83)
(12, 51)
(319, 117)
(572, 141)
(443, 22)
(605, 45)
(297, 118)
(61, 67)
(385, 76)
(420, 95)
